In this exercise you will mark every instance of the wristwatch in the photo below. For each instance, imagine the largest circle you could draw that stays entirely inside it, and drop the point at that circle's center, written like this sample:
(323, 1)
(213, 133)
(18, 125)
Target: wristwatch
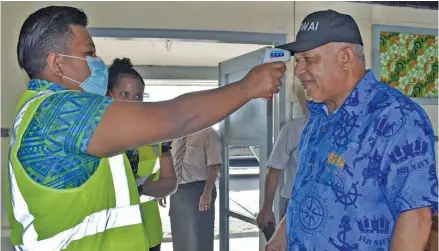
(166, 146)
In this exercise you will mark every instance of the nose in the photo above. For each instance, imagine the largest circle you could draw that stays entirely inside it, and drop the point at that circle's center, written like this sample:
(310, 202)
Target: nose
(299, 68)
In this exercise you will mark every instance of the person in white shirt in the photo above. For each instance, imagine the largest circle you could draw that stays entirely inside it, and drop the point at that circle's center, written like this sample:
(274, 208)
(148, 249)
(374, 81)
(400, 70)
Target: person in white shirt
(197, 159)
(283, 158)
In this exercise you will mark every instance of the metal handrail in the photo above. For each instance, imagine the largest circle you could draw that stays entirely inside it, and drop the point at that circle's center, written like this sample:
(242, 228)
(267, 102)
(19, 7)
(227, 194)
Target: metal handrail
(242, 217)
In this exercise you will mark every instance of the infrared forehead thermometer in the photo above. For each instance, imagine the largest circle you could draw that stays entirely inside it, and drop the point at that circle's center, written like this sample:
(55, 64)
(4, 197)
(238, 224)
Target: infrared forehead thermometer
(270, 55)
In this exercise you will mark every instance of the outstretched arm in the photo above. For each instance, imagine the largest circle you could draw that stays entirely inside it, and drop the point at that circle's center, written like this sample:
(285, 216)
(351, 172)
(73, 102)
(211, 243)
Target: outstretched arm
(126, 125)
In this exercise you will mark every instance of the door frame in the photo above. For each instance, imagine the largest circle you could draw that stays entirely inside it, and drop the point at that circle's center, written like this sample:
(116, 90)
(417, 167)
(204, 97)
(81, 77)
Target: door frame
(281, 111)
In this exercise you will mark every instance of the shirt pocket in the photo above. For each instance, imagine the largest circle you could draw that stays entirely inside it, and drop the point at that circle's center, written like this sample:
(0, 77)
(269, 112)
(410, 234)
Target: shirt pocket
(194, 154)
(345, 180)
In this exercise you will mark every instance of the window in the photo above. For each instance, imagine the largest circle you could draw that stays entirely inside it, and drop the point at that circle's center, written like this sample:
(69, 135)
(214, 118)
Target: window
(160, 90)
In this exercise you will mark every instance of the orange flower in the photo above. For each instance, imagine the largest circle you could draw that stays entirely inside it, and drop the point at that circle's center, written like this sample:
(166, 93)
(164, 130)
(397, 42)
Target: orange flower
(430, 42)
(394, 40)
(402, 73)
(412, 63)
(394, 84)
(429, 87)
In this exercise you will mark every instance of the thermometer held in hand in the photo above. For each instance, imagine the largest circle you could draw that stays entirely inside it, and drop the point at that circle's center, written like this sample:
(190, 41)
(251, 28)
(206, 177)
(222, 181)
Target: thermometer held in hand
(274, 55)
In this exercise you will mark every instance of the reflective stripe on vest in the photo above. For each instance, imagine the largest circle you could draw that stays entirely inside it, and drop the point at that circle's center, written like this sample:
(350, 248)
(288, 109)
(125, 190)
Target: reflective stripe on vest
(146, 198)
(155, 148)
(122, 215)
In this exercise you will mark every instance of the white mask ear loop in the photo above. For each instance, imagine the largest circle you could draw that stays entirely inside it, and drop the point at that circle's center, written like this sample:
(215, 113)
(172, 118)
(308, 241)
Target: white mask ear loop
(68, 56)
(71, 79)
(75, 57)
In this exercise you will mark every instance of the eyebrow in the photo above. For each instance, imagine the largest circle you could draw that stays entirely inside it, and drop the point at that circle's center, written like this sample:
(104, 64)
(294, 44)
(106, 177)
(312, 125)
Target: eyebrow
(90, 44)
(306, 55)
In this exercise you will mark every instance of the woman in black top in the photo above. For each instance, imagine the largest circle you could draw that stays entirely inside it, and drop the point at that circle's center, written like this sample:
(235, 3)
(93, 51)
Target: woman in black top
(125, 83)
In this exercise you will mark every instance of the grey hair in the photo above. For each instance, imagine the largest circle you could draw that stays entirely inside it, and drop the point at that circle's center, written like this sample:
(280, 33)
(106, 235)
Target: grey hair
(359, 52)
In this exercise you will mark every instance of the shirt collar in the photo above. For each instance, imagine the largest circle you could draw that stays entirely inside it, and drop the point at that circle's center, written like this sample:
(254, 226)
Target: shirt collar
(354, 103)
(41, 85)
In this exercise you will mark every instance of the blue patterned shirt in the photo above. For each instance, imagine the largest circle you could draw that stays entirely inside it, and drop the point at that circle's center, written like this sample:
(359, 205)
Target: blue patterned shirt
(54, 147)
(359, 169)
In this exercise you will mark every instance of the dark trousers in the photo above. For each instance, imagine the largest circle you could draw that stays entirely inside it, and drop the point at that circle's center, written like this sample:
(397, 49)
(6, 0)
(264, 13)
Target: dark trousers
(192, 230)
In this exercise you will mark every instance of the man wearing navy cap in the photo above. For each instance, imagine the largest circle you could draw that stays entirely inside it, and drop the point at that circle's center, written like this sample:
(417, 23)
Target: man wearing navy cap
(366, 177)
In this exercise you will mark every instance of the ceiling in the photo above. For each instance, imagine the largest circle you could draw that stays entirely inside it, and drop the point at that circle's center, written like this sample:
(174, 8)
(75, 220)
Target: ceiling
(432, 5)
(178, 53)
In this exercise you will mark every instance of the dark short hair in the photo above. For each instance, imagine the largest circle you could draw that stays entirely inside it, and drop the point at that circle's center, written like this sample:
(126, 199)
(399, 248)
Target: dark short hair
(121, 68)
(44, 31)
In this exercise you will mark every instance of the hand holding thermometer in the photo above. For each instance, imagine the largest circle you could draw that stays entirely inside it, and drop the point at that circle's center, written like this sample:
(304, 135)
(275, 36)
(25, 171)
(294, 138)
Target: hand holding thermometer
(275, 55)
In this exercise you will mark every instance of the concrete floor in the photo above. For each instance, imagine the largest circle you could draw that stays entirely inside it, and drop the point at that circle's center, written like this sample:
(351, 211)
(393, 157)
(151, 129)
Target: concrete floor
(244, 193)
(236, 244)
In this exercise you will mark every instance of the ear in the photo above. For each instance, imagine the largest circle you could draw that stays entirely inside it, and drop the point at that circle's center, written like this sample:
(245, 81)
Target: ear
(54, 64)
(346, 57)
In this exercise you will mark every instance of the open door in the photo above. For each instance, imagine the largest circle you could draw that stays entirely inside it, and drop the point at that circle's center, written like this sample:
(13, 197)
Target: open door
(255, 125)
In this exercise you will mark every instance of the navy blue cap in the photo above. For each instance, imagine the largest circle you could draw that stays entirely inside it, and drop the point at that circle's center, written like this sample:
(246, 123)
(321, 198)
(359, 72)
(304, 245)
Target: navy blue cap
(323, 27)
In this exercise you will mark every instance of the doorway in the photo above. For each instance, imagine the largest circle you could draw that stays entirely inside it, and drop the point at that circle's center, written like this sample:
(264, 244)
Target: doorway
(174, 62)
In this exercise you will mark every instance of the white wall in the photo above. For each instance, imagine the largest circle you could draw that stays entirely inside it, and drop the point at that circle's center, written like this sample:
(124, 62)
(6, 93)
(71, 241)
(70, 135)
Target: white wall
(266, 17)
